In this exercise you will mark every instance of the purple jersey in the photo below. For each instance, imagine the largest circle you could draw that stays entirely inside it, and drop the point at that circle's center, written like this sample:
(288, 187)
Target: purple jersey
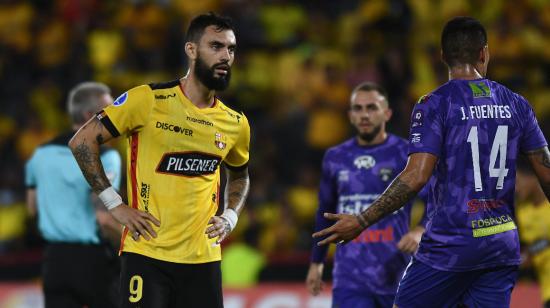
(476, 128)
(353, 177)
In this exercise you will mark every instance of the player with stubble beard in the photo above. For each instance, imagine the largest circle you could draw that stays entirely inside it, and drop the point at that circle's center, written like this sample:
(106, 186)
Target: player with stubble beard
(179, 135)
(354, 173)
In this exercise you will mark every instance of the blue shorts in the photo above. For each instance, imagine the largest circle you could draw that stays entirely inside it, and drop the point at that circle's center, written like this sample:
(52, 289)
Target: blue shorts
(346, 298)
(424, 286)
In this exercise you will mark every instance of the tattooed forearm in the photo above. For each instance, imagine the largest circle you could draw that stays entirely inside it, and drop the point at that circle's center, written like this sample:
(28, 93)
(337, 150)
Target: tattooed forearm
(237, 188)
(543, 156)
(90, 164)
(395, 196)
(540, 161)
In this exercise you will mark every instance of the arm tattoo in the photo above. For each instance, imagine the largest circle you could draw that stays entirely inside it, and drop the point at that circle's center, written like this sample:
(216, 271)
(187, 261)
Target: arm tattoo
(543, 157)
(395, 196)
(91, 167)
(543, 154)
(89, 162)
(237, 190)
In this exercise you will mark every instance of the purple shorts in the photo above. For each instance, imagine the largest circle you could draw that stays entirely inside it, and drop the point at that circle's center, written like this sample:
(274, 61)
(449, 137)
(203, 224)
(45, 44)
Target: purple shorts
(424, 286)
(346, 298)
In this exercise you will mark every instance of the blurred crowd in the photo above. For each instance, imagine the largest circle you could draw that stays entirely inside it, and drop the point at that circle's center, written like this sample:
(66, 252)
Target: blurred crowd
(295, 66)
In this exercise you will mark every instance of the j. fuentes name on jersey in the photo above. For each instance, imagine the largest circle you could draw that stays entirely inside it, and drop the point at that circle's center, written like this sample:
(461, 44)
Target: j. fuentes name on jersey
(189, 164)
(486, 112)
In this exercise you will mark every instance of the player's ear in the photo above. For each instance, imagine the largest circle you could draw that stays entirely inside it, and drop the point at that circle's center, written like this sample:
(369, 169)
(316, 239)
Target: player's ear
(484, 54)
(191, 50)
(442, 56)
(387, 114)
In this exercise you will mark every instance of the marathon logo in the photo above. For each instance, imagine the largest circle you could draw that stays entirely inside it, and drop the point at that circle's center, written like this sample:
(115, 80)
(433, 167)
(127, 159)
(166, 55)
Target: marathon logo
(189, 164)
(199, 121)
(160, 96)
(175, 128)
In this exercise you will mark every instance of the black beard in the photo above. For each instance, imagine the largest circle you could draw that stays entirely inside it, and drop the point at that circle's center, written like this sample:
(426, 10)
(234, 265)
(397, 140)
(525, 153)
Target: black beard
(368, 137)
(205, 75)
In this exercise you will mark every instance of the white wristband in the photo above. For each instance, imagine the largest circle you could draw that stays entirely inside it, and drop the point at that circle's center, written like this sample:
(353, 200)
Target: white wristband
(231, 216)
(110, 198)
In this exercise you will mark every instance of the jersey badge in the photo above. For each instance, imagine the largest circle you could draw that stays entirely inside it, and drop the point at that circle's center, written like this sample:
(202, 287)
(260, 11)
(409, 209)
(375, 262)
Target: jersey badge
(365, 161)
(385, 174)
(220, 141)
(121, 99)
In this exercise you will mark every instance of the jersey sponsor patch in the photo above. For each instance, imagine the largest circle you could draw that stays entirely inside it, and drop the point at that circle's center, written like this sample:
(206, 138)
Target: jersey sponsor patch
(418, 118)
(479, 89)
(121, 99)
(190, 164)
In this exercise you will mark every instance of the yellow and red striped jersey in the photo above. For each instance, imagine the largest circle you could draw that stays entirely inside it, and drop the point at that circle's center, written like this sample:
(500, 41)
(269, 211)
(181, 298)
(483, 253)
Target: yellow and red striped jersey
(174, 156)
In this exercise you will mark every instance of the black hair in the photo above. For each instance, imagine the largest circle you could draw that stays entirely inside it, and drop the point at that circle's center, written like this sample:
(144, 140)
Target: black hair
(461, 40)
(371, 86)
(199, 23)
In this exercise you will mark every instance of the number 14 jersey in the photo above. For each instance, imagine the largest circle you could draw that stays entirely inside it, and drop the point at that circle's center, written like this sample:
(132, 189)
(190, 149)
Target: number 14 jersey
(476, 128)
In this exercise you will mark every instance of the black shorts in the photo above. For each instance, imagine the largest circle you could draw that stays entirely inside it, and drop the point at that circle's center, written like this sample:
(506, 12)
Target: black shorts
(150, 283)
(77, 275)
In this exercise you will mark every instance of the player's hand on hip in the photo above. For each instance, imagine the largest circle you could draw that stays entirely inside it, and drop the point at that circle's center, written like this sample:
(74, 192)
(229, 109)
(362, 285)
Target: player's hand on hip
(345, 229)
(218, 227)
(137, 222)
(314, 281)
(409, 242)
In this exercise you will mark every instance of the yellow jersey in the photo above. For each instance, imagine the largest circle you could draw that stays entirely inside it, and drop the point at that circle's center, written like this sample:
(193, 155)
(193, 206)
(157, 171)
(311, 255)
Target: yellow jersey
(173, 165)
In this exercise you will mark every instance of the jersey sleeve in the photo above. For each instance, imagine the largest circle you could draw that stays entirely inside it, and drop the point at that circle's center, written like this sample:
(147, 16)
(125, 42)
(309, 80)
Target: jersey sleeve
(426, 133)
(532, 137)
(30, 176)
(237, 158)
(112, 164)
(327, 204)
(129, 112)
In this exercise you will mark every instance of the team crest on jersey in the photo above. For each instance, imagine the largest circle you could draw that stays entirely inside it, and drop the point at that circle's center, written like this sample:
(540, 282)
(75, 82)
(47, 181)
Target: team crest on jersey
(385, 174)
(220, 141)
(121, 99)
(365, 161)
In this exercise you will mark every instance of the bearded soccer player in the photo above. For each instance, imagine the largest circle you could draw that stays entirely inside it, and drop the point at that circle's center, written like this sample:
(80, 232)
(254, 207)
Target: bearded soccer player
(179, 135)
(355, 173)
(469, 133)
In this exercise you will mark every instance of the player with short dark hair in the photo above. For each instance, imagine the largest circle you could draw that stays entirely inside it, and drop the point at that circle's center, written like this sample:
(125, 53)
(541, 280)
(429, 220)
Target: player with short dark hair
(468, 133)
(179, 135)
(355, 173)
(79, 267)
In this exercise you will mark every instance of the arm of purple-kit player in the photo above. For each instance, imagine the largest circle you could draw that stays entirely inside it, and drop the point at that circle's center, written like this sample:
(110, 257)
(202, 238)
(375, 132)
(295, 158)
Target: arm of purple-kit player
(535, 146)
(540, 161)
(426, 142)
(327, 203)
(403, 189)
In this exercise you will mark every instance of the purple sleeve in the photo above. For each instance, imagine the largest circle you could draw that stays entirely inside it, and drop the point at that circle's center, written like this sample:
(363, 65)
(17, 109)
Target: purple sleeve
(532, 137)
(423, 195)
(327, 203)
(426, 133)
